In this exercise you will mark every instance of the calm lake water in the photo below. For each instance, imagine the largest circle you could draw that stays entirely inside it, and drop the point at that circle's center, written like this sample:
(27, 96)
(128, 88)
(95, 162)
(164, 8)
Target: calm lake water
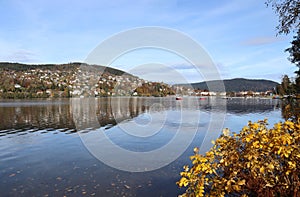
(44, 150)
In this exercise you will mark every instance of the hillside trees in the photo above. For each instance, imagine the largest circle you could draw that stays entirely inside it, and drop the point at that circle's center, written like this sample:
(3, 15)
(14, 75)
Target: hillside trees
(286, 87)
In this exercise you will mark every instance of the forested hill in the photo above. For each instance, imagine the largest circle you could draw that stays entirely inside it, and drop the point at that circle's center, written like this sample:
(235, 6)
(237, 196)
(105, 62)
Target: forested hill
(59, 67)
(73, 80)
(238, 84)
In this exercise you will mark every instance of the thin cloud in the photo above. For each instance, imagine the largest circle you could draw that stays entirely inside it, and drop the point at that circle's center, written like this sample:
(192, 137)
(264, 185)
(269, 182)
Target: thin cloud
(183, 66)
(268, 68)
(156, 72)
(149, 69)
(179, 73)
(227, 8)
(262, 40)
(20, 56)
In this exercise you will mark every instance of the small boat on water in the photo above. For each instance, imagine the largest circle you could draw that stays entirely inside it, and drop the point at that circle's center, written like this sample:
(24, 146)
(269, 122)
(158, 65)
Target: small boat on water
(276, 97)
(178, 98)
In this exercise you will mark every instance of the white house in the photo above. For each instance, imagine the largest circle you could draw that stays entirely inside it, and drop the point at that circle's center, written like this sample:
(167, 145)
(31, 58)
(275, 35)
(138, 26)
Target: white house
(17, 86)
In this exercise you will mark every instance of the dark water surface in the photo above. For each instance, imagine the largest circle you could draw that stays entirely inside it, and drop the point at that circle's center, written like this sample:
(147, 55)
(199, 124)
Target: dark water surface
(42, 154)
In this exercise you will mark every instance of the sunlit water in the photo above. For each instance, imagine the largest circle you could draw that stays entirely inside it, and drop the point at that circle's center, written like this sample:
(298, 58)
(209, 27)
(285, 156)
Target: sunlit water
(42, 154)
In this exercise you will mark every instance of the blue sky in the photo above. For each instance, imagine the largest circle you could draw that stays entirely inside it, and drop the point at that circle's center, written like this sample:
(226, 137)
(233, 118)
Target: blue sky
(239, 36)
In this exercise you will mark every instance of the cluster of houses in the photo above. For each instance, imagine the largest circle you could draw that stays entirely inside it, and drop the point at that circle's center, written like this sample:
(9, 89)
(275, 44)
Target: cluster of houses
(104, 84)
(79, 82)
(197, 92)
(76, 82)
(36, 82)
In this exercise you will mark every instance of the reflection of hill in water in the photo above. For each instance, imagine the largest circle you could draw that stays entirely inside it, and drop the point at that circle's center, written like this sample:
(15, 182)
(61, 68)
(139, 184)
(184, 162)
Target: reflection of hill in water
(252, 105)
(236, 105)
(20, 116)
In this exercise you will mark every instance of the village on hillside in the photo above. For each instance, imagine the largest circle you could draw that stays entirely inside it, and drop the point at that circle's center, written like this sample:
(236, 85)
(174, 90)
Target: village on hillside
(82, 82)
(77, 82)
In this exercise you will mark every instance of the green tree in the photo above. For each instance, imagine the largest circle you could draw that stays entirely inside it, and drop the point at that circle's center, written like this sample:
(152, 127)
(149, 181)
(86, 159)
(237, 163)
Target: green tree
(286, 87)
(288, 14)
(294, 51)
(286, 84)
(297, 83)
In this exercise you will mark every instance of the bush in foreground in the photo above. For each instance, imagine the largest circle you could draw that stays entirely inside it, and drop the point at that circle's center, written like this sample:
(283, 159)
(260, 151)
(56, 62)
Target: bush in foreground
(255, 162)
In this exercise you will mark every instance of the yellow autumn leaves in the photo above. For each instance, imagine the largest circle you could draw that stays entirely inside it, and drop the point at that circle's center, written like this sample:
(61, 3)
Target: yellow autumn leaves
(257, 161)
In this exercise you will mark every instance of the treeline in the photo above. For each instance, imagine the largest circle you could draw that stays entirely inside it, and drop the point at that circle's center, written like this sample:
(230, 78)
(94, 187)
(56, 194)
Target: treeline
(289, 87)
(25, 67)
(62, 67)
(154, 89)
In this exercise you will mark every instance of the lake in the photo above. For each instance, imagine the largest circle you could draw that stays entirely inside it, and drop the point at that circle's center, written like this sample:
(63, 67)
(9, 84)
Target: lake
(112, 146)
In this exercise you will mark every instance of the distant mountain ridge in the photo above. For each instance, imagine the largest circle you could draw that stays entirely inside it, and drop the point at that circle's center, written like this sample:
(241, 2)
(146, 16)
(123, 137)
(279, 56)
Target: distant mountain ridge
(236, 85)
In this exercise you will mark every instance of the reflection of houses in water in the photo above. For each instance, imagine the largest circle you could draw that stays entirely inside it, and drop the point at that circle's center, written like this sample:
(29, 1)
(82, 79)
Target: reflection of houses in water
(113, 110)
(36, 114)
(85, 113)
(100, 112)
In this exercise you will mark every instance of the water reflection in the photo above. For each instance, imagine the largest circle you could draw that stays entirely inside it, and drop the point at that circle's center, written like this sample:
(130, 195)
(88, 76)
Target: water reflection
(146, 133)
(60, 165)
(111, 111)
(252, 105)
(20, 115)
(39, 114)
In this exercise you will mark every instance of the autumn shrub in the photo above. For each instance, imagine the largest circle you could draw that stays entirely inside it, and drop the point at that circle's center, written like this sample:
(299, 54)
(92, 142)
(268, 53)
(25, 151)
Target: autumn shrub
(257, 161)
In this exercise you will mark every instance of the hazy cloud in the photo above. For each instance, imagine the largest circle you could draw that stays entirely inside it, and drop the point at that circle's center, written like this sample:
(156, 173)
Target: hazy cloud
(20, 56)
(262, 40)
(183, 66)
(177, 73)
(167, 74)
